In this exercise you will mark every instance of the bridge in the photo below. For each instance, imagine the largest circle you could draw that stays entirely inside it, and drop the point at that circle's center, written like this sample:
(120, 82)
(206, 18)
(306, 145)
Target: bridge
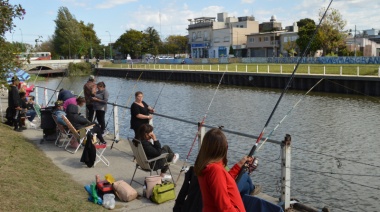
(49, 66)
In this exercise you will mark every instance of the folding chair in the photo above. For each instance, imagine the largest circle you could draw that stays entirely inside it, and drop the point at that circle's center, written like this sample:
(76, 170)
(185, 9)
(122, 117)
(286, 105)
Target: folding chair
(100, 148)
(142, 161)
(76, 135)
(62, 132)
(37, 108)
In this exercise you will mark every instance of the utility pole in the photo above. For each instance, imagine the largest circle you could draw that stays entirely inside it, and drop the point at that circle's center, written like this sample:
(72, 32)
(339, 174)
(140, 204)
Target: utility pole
(110, 45)
(355, 41)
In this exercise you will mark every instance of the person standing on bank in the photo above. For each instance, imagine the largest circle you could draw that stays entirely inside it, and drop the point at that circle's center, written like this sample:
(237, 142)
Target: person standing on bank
(14, 103)
(218, 187)
(140, 112)
(89, 90)
(100, 105)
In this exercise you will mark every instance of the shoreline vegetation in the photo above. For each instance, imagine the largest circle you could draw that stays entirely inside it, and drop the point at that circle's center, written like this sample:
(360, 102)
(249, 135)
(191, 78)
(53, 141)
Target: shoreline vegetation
(333, 69)
(31, 182)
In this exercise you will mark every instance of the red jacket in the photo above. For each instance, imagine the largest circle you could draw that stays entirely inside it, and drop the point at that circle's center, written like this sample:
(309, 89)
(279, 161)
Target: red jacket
(219, 189)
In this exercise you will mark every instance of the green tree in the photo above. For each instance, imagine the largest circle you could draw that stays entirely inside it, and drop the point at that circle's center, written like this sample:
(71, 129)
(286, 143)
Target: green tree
(8, 13)
(290, 47)
(91, 40)
(153, 41)
(231, 51)
(68, 38)
(175, 44)
(330, 34)
(306, 28)
(131, 42)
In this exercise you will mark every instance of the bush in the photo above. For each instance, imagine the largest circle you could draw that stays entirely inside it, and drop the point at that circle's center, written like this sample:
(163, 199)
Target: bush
(78, 69)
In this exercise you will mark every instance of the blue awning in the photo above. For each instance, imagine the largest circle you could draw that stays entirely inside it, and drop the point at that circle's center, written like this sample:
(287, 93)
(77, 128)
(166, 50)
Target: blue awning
(21, 74)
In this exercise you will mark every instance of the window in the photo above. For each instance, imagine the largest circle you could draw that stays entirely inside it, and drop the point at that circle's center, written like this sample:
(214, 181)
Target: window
(266, 39)
(199, 34)
(241, 26)
(194, 36)
(227, 39)
(285, 39)
(216, 40)
(251, 40)
(260, 39)
(205, 35)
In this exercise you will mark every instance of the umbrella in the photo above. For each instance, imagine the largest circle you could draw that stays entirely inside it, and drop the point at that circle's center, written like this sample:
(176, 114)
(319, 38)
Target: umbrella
(21, 74)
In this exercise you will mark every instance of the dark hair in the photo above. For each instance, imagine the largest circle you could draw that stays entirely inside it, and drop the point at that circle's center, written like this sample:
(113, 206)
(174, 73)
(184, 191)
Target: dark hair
(31, 98)
(214, 148)
(101, 84)
(22, 94)
(143, 130)
(138, 93)
(80, 100)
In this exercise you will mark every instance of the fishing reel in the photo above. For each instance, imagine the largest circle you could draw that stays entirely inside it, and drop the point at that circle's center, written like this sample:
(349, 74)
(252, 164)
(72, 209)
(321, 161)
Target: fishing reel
(252, 165)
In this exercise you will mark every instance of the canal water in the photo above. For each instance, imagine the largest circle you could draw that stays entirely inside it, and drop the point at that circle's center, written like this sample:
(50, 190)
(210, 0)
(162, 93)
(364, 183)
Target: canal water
(335, 138)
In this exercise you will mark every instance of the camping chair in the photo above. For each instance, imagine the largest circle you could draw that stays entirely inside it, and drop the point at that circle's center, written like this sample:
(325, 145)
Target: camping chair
(100, 148)
(142, 161)
(37, 108)
(62, 131)
(76, 135)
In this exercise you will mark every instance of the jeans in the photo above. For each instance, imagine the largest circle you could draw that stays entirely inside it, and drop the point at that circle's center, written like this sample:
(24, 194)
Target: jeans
(245, 185)
(31, 114)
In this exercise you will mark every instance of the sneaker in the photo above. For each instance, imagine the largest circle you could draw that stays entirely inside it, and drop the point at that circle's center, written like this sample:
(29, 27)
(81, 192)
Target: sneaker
(18, 130)
(105, 133)
(176, 155)
(256, 191)
(166, 177)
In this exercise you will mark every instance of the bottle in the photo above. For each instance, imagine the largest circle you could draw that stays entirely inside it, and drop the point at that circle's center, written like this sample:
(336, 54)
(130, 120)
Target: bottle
(97, 178)
(144, 191)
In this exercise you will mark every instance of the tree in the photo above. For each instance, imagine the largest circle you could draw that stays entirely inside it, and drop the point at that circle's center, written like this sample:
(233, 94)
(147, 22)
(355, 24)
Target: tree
(153, 41)
(290, 47)
(131, 42)
(330, 34)
(8, 13)
(91, 46)
(175, 44)
(306, 28)
(68, 38)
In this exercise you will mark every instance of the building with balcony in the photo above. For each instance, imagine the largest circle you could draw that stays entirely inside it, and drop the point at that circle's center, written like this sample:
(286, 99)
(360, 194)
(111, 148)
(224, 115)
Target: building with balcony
(264, 44)
(211, 38)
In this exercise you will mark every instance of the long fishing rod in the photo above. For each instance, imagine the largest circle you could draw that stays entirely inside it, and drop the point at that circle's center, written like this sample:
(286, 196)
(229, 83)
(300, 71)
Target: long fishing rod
(37, 76)
(294, 106)
(242, 170)
(159, 94)
(117, 97)
(199, 128)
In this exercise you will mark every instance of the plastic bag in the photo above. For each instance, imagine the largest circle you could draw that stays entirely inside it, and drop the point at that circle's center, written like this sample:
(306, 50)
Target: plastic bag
(109, 201)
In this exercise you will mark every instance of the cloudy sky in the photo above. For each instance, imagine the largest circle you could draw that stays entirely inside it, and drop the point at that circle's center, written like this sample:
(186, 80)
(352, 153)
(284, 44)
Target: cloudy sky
(169, 17)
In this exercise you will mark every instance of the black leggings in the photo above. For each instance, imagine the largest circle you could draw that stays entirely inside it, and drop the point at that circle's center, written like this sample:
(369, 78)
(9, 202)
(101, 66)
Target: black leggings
(166, 149)
(100, 117)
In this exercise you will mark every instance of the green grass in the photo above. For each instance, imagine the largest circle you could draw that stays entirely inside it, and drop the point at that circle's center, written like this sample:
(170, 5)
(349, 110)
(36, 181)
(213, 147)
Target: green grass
(29, 181)
(331, 69)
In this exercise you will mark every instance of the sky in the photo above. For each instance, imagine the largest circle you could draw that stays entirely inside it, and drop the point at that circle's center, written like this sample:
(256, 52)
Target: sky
(112, 18)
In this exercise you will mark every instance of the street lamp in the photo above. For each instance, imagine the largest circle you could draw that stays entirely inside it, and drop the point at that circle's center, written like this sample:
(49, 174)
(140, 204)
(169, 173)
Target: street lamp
(110, 45)
(22, 39)
(104, 53)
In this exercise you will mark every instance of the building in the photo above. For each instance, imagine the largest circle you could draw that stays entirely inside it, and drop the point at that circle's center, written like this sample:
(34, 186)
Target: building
(288, 45)
(270, 26)
(211, 38)
(368, 46)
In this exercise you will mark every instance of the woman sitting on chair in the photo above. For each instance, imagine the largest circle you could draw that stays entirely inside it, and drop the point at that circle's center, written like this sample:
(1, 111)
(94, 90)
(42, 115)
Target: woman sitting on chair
(153, 149)
(79, 121)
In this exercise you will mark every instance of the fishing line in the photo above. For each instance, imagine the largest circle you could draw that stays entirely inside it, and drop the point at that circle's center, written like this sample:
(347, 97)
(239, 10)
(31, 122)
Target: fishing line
(161, 90)
(283, 92)
(34, 83)
(199, 128)
(130, 96)
(294, 106)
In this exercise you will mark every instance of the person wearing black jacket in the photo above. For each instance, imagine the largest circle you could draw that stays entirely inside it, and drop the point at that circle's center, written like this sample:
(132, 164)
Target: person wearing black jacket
(14, 104)
(78, 121)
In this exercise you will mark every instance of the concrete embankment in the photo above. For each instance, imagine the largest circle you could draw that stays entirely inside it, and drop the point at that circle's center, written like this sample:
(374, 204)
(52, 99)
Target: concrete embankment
(331, 84)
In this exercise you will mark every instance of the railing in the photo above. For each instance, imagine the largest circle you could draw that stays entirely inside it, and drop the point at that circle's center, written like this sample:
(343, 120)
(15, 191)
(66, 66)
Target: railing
(324, 70)
(285, 149)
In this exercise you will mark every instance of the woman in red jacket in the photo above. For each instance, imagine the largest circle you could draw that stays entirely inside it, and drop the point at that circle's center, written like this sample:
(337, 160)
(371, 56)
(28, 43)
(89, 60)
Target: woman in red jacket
(218, 187)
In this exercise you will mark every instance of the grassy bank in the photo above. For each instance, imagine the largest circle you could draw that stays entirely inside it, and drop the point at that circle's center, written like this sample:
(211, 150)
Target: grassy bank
(29, 181)
(346, 69)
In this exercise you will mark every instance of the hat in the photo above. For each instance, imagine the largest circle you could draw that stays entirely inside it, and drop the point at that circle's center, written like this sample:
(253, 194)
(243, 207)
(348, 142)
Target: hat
(58, 103)
(15, 78)
(91, 77)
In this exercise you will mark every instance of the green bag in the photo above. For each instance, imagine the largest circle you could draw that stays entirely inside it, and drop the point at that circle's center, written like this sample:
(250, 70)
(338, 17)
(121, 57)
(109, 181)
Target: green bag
(163, 192)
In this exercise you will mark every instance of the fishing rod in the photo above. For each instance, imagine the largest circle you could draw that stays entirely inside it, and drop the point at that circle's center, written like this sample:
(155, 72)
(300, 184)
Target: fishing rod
(161, 90)
(294, 106)
(200, 124)
(242, 170)
(37, 76)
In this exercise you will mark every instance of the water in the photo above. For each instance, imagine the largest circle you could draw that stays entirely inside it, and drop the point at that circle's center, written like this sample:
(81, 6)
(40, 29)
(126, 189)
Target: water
(326, 130)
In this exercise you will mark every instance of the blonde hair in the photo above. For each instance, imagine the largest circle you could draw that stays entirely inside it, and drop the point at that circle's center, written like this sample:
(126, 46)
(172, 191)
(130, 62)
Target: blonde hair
(214, 148)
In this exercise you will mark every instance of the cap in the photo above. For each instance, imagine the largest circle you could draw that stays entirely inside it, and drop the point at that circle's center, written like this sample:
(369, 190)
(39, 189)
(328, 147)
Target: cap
(91, 77)
(15, 78)
(58, 103)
